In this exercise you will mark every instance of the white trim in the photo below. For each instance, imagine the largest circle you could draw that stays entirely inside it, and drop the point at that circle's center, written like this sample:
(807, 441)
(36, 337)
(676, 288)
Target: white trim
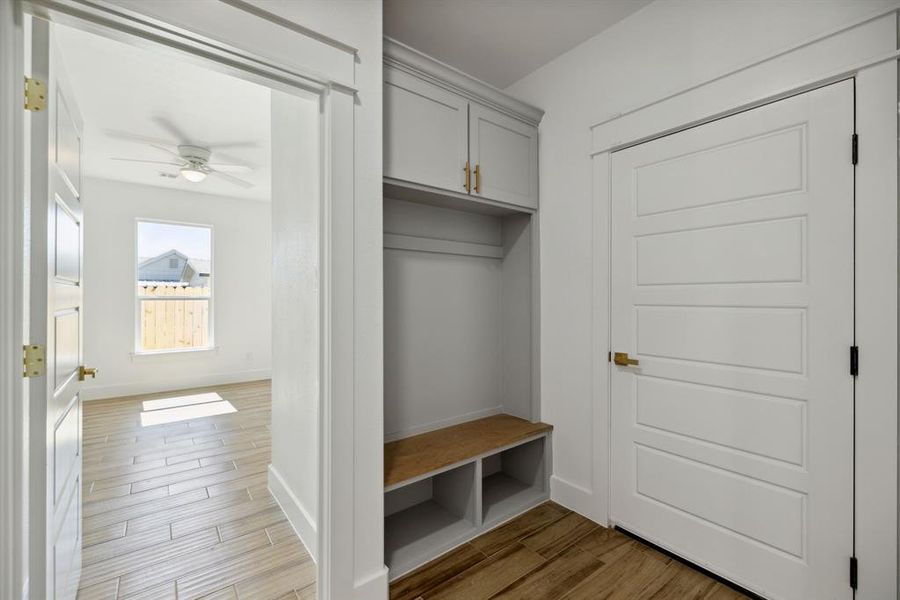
(876, 333)
(118, 390)
(874, 69)
(351, 346)
(410, 60)
(297, 515)
(576, 498)
(12, 513)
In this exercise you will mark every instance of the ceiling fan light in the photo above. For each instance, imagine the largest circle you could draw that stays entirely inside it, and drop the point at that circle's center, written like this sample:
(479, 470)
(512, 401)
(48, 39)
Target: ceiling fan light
(192, 174)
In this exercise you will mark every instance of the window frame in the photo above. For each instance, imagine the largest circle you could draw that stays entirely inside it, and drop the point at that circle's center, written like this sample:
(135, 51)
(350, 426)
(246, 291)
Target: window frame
(210, 321)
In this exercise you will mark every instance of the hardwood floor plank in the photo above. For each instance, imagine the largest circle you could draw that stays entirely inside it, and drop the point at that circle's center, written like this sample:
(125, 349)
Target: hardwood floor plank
(489, 576)
(125, 563)
(101, 506)
(572, 559)
(239, 568)
(200, 562)
(420, 581)
(165, 591)
(559, 535)
(535, 519)
(159, 506)
(186, 502)
(105, 590)
(212, 518)
(277, 582)
(554, 578)
(103, 534)
(123, 545)
(637, 572)
(260, 520)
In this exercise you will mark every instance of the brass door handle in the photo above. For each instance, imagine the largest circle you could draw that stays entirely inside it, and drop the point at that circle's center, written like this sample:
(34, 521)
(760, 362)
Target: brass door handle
(85, 372)
(622, 359)
(477, 179)
(468, 183)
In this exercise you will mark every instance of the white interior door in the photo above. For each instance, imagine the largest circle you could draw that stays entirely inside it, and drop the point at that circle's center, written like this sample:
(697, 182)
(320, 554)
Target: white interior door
(56, 323)
(732, 284)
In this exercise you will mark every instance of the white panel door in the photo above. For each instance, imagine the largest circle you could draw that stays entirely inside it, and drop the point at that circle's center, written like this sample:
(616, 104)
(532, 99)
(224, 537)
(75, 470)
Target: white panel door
(56, 322)
(732, 284)
(504, 154)
(426, 135)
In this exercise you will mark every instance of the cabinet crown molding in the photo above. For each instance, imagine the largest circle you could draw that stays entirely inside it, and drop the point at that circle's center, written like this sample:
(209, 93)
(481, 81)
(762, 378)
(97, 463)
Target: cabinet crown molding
(400, 56)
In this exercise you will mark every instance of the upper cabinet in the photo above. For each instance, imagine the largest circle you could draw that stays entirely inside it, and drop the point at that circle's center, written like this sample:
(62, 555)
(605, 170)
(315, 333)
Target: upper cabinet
(445, 131)
(503, 155)
(426, 132)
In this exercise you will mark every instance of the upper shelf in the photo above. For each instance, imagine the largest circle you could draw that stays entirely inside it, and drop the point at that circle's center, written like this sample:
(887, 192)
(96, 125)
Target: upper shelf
(418, 455)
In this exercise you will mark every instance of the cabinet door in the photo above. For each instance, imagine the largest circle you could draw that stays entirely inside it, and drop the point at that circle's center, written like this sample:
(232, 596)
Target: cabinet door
(425, 132)
(505, 151)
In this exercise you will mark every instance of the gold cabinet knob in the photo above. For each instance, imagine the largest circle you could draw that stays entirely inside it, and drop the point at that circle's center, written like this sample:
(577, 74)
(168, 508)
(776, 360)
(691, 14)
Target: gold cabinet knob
(85, 372)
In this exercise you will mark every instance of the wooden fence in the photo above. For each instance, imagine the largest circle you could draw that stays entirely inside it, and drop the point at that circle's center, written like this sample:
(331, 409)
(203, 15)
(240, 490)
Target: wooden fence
(174, 323)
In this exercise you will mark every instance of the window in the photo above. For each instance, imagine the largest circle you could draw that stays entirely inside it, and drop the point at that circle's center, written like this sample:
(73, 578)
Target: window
(174, 287)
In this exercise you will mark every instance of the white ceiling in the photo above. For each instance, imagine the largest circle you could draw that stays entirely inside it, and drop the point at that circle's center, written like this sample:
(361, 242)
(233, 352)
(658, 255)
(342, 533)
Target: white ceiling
(500, 41)
(125, 91)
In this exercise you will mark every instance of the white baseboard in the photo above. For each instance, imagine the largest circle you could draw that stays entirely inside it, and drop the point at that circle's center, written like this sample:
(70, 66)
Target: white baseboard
(296, 514)
(168, 384)
(411, 431)
(373, 586)
(579, 499)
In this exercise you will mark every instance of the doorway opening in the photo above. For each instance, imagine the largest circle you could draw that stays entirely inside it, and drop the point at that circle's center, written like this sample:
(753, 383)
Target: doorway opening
(175, 209)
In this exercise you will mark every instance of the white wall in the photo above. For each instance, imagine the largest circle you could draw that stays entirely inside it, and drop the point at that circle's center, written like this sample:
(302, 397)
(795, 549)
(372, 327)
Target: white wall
(358, 23)
(242, 299)
(294, 475)
(661, 49)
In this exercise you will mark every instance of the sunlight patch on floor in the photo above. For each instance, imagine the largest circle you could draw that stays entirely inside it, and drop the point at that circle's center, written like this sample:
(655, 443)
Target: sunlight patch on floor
(183, 408)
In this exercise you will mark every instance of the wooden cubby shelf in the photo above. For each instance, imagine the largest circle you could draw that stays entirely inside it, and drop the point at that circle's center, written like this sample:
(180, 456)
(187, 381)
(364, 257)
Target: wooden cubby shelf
(415, 456)
(447, 486)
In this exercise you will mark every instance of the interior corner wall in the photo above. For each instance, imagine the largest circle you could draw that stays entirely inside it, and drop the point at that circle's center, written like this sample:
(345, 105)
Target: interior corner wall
(242, 299)
(661, 49)
(359, 24)
(294, 474)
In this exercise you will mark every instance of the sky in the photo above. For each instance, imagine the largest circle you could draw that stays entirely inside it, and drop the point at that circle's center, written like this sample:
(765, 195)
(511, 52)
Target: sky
(156, 238)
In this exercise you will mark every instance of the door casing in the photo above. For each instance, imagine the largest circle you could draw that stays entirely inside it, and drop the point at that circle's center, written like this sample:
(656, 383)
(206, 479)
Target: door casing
(327, 77)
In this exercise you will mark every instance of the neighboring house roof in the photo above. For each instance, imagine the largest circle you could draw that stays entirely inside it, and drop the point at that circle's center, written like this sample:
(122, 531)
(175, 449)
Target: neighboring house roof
(173, 267)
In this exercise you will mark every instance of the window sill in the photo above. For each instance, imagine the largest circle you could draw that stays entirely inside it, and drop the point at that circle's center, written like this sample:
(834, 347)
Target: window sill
(151, 353)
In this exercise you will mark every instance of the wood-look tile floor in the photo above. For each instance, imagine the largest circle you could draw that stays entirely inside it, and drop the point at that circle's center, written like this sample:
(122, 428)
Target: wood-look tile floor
(181, 510)
(551, 553)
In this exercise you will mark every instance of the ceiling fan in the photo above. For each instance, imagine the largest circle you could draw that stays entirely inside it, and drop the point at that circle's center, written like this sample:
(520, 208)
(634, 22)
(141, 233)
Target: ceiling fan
(191, 160)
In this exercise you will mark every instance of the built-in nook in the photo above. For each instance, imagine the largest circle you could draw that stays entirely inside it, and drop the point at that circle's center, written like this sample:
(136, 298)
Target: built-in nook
(465, 449)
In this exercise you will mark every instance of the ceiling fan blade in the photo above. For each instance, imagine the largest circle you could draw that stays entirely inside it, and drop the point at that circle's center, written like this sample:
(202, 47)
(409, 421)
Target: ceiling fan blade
(244, 144)
(230, 168)
(142, 139)
(167, 151)
(231, 179)
(149, 162)
(172, 129)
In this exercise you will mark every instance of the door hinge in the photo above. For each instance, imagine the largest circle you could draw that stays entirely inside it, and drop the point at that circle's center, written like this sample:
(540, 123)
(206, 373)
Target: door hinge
(34, 361)
(854, 149)
(854, 572)
(35, 94)
(854, 361)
